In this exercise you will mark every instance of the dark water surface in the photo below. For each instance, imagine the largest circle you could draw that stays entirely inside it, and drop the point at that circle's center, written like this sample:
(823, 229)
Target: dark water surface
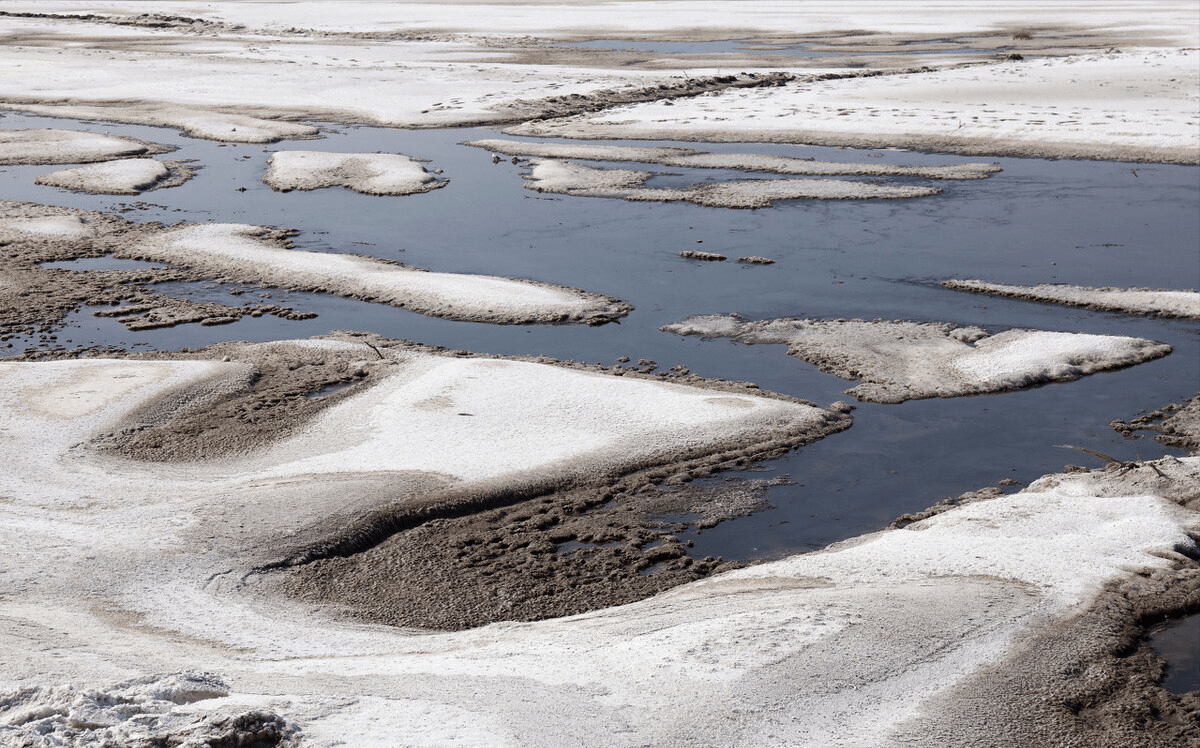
(1079, 222)
(1178, 642)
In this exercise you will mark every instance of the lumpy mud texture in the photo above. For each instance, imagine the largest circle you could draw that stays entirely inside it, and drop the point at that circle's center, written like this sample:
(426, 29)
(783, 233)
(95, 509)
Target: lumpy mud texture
(282, 389)
(34, 300)
(1178, 425)
(557, 555)
(1092, 679)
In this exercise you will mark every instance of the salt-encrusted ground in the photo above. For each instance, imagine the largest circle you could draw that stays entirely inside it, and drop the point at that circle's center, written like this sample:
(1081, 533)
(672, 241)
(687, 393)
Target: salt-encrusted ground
(120, 568)
(130, 176)
(368, 173)
(898, 361)
(1008, 620)
(259, 254)
(1160, 302)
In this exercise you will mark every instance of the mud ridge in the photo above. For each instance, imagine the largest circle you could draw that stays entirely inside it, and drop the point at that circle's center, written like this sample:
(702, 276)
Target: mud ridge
(1178, 425)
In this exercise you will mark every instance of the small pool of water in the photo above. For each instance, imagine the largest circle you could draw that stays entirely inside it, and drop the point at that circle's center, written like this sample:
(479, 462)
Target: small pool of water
(1178, 642)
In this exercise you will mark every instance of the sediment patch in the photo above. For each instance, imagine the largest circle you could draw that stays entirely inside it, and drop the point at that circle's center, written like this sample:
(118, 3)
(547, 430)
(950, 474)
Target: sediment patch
(687, 157)
(368, 173)
(198, 122)
(1146, 301)
(1176, 424)
(124, 177)
(263, 255)
(49, 146)
(566, 178)
(898, 361)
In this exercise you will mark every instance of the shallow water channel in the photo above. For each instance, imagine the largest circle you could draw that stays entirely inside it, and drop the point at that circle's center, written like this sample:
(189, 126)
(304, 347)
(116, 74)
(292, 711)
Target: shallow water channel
(1079, 222)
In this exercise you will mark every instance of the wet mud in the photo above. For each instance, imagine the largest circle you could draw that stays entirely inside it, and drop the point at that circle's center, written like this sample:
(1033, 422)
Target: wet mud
(1174, 424)
(34, 300)
(1092, 679)
(556, 555)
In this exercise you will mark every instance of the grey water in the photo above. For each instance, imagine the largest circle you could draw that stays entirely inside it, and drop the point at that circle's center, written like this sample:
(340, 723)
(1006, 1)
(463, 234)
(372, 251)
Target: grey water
(1178, 642)
(1080, 222)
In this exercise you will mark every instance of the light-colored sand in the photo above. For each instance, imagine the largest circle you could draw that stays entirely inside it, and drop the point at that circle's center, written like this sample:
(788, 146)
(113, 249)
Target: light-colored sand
(685, 157)
(47, 146)
(1155, 302)
(129, 176)
(238, 250)
(116, 572)
(368, 173)
(898, 361)
(566, 178)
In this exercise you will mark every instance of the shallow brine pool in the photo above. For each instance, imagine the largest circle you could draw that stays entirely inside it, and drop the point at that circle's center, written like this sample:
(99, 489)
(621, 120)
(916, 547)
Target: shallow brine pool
(1037, 221)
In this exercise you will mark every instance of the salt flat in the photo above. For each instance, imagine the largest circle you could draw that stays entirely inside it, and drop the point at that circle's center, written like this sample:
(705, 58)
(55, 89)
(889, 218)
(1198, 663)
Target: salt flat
(147, 531)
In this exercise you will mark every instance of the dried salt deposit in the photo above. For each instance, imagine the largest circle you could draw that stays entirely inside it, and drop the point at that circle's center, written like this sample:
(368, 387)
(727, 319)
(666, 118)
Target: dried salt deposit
(133, 577)
(69, 147)
(1154, 302)
(136, 606)
(898, 361)
(566, 178)
(368, 173)
(686, 157)
(130, 176)
(245, 252)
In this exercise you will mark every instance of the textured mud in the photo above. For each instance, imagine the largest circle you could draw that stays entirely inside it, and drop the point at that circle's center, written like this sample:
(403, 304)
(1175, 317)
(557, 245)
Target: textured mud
(283, 388)
(556, 555)
(34, 300)
(1145, 301)
(1093, 678)
(1177, 425)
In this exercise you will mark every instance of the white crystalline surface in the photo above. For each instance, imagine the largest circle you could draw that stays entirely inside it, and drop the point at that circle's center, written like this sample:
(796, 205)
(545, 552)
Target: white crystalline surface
(111, 592)
(586, 181)
(237, 250)
(48, 146)
(1160, 302)
(898, 361)
(369, 173)
(125, 177)
(687, 157)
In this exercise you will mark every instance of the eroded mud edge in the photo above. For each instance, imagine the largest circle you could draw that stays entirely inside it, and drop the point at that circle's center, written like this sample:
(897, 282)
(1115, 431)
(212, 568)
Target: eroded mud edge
(544, 548)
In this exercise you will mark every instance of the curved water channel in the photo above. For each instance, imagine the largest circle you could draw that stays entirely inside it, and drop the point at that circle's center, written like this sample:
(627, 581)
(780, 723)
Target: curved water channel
(1078, 222)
